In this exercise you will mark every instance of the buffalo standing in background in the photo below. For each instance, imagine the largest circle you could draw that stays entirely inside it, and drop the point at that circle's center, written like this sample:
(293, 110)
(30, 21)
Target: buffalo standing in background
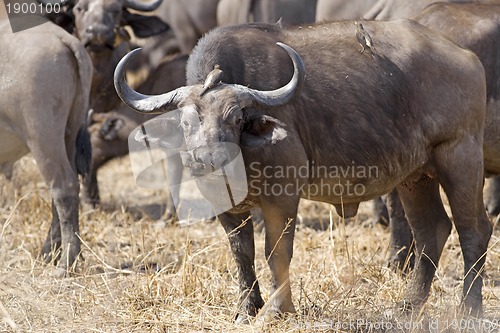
(291, 12)
(99, 24)
(109, 131)
(44, 92)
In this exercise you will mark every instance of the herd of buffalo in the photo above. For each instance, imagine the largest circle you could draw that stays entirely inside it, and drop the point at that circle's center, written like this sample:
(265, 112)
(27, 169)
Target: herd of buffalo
(409, 88)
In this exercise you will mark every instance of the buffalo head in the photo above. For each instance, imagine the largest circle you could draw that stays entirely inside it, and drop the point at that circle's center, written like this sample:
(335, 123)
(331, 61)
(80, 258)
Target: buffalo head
(214, 116)
(99, 23)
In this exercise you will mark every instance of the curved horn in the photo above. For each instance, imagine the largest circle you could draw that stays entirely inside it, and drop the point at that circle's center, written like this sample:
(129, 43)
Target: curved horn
(145, 103)
(142, 6)
(283, 95)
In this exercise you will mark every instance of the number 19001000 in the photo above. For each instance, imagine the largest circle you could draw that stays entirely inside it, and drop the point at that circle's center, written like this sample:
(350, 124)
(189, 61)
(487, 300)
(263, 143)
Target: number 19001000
(32, 8)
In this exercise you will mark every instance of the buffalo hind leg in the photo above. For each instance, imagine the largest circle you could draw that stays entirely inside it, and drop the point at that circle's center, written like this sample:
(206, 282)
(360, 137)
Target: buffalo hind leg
(63, 181)
(53, 241)
(460, 171)
(239, 229)
(279, 219)
(431, 227)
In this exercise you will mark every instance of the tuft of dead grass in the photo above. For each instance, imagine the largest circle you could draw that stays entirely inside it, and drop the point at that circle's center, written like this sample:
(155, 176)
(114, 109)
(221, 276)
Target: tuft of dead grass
(142, 275)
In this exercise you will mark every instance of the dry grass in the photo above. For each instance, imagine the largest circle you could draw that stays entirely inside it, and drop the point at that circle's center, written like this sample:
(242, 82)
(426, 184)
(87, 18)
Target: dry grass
(139, 275)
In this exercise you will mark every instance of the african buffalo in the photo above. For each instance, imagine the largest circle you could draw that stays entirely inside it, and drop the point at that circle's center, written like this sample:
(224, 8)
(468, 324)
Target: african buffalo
(348, 127)
(46, 75)
(476, 27)
(329, 10)
(291, 12)
(109, 131)
(397, 9)
(189, 19)
(100, 25)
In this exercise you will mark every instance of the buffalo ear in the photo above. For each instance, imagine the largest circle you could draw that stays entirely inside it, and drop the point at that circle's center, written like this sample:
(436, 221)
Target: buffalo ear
(66, 21)
(144, 26)
(262, 130)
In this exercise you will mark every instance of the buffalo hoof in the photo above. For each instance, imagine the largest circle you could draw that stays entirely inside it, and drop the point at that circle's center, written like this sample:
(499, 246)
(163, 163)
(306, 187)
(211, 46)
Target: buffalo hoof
(59, 273)
(242, 319)
(49, 254)
(90, 200)
(401, 261)
(248, 308)
(170, 217)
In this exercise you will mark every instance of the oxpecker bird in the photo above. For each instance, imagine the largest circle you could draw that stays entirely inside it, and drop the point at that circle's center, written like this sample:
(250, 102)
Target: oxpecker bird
(213, 79)
(363, 37)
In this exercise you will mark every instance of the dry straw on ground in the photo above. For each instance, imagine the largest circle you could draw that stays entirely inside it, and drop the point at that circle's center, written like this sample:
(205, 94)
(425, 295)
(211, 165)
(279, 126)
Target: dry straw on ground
(141, 275)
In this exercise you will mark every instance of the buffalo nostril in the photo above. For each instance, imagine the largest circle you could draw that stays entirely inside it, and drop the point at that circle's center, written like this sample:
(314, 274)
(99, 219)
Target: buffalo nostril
(203, 157)
(219, 159)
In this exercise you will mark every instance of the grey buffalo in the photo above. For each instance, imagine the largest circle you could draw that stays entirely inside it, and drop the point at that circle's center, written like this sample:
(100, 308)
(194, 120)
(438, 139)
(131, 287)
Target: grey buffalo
(291, 12)
(329, 10)
(360, 124)
(46, 76)
(189, 19)
(476, 27)
(397, 9)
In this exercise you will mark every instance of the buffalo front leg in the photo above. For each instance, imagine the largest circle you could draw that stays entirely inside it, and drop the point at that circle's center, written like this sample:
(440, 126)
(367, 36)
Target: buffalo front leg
(431, 227)
(239, 229)
(174, 170)
(91, 187)
(279, 219)
(401, 243)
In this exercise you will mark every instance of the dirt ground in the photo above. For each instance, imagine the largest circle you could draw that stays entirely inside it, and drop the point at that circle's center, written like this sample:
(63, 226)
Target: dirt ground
(140, 274)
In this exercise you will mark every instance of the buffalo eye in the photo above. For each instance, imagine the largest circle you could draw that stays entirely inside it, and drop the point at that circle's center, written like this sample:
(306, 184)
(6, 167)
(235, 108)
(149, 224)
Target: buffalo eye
(238, 121)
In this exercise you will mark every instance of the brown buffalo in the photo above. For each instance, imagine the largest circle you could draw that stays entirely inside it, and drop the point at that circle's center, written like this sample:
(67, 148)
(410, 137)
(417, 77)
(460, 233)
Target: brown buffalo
(382, 109)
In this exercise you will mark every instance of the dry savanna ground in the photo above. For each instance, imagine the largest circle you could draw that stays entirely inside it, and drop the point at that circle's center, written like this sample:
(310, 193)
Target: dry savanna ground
(142, 275)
